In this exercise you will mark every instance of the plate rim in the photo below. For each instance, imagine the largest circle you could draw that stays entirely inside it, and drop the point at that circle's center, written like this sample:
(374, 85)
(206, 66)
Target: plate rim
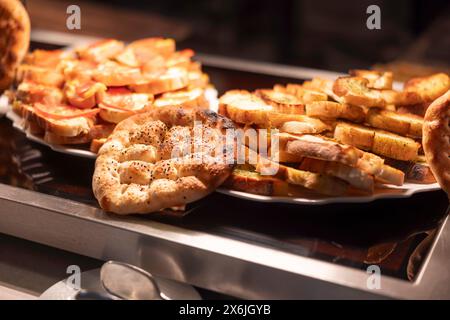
(408, 192)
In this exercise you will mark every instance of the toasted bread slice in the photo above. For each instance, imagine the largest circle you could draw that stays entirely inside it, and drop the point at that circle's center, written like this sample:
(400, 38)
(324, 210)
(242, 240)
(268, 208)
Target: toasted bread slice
(305, 95)
(318, 148)
(324, 86)
(171, 80)
(101, 50)
(320, 183)
(376, 79)
(52, 138)
(378, 141)
(112, 74)
(370, 163)
(354, 176)
(253, 182)
(85, 94)
(404, 124)
(425, 89)
(120, 103)
(395, 146)
(334, 110)
(40, 75)
(354, 135)
(29, 93)
(72, 126)
(415, 171)
(303, 125)
(281, 101)
(244, 107)
(285, 157)
(355, 90)
(390, 175)
(192, 98)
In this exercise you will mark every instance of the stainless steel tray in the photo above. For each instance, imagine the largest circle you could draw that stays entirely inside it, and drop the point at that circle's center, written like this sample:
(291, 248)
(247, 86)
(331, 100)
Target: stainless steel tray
(232, 266)
(228, 245)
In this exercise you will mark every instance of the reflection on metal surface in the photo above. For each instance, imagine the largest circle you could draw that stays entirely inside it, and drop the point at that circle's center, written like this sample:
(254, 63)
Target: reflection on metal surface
(129, 282)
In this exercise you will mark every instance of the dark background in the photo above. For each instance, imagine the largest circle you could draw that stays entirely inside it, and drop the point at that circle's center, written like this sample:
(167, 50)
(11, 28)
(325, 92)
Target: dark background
(314, 33)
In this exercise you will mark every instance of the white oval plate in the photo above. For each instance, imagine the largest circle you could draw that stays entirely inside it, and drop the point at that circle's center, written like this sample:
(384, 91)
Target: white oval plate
(381, 192)
(79, 151)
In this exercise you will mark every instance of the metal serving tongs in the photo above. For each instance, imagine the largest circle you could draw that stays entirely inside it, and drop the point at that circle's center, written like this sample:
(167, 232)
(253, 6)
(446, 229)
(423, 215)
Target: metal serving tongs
(126, 282)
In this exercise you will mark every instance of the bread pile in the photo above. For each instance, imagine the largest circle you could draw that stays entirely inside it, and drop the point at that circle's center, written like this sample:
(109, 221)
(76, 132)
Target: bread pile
(78, 96)
(346, 136)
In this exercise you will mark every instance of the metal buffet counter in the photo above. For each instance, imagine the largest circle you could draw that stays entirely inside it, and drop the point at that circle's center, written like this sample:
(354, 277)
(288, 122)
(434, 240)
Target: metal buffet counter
(235, 247)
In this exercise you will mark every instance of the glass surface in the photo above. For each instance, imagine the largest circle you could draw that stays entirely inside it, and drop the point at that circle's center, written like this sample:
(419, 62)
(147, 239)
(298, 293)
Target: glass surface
(394, 234)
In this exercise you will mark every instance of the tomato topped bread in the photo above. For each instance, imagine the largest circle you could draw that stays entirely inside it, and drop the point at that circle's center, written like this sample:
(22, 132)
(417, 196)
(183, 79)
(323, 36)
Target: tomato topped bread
(156, 160)
(66, 93)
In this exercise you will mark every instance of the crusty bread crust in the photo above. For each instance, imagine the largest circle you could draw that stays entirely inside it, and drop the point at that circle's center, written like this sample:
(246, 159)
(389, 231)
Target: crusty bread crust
(136, 172)
(14, 40)
(436, 139)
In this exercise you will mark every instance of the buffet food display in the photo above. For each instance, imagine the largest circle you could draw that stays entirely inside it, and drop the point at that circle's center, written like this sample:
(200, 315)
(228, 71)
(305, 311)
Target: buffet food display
(136, 104)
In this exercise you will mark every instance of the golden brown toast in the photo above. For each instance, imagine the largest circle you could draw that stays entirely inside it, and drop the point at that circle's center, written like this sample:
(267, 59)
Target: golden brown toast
(378, 141)
(329, 110)
(354, 176)
(403, 124)
(376, 79)
(319, 148)
(253, 182)
(283, 102)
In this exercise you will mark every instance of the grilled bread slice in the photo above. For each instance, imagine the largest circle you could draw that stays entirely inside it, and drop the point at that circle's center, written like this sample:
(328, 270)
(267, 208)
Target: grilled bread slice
(395, 146)
(403, 124)
(415, 171)
(333, 110)
(305, 95)
(354, 135)
(323, 85)
(253, 182)
(171, 80)
(244, 107)
(320, 183)
(192, 98)
(120, 103)
(30, 93)
(425, 89)
(376, 79)
(378, 141)
(318, 148)
(354, 176)
(40, 75)
(282, 102)
(355, 90)
(61, 120)
(101, 50)
(52, 138)
(390, 175)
